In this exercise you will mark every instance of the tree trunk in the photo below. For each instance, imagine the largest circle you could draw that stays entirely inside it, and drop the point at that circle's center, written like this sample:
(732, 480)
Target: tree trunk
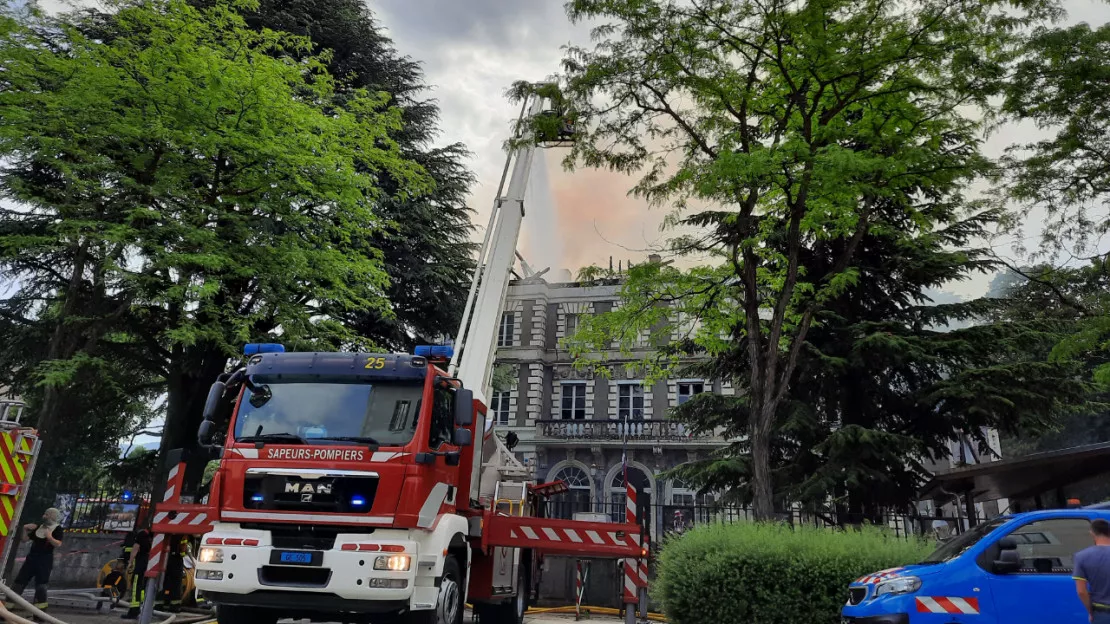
(763, 494)
(187, 390)
(61, 343)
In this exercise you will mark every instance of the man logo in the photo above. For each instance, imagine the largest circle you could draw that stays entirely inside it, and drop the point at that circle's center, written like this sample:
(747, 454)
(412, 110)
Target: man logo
(306, 498)
(307, 489)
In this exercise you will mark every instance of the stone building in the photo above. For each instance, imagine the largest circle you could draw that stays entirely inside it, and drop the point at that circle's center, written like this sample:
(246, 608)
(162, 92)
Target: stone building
(575, 425)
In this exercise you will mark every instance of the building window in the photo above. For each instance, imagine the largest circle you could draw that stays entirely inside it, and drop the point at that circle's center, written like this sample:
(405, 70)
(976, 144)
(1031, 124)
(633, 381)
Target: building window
(572, 325)
(630, 401)
(576, 499)
(1049, 546)
(500, 408)
(687, 389)
(505, 332)
(573, 401)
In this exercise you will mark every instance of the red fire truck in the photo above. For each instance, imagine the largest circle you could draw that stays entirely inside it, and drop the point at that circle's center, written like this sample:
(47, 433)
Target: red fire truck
(371, 486)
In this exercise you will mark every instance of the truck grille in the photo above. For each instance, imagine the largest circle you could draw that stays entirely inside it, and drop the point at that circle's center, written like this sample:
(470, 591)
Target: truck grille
(340, 494)
(856, 595)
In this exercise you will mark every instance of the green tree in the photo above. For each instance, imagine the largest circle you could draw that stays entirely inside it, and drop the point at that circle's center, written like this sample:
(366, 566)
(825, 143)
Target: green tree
(884, 382)
(1062, 84)
(803, 127)
(425, 241)
(241, 205)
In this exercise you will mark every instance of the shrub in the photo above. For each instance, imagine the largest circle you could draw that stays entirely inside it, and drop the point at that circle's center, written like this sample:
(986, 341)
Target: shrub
(749, 573)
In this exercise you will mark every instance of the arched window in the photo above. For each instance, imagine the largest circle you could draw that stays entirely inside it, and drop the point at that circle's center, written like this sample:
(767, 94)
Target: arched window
(577, 499)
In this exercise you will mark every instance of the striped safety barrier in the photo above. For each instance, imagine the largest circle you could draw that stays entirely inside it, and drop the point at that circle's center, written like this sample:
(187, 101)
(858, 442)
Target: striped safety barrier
(574, 536)
(631, 568)
(174, 482)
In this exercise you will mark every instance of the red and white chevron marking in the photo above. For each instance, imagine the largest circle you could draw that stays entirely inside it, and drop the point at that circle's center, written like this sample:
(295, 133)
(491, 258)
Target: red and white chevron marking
(879, 577)
(157, 549)
(948, 604)
(183, 518)
(573, 536)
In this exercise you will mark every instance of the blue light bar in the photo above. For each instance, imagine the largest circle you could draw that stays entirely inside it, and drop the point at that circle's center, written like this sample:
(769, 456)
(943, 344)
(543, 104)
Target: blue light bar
(357, 501)
(256, 348)
(436, 351)
(258, 498)
(126, 495)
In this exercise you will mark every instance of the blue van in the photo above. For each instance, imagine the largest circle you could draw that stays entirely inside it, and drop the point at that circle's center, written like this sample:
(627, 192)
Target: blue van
(1011, 570)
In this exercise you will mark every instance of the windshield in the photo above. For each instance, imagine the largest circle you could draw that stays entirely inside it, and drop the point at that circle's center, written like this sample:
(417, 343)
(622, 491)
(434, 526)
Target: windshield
(961, 543)
(329, 412)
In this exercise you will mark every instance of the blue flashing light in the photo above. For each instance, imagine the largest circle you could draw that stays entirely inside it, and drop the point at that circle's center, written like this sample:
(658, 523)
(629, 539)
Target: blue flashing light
(257, 498)
(126, 496)
(256, 348)
(435, 351)
(357, 501)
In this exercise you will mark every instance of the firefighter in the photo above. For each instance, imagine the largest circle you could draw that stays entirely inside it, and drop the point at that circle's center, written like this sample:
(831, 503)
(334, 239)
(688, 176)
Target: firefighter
(173, 588)
(136, 570)
(44, 537)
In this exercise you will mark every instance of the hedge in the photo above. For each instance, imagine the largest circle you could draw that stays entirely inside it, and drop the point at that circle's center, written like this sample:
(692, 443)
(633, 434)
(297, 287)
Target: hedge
(748, 573)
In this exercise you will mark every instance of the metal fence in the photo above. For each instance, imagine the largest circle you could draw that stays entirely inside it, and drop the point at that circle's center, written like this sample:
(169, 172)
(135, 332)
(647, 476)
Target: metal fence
(667, 520)
(103, 508)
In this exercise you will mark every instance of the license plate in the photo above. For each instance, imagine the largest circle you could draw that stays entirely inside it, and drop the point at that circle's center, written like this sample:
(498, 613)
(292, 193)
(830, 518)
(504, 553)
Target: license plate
(296, 557)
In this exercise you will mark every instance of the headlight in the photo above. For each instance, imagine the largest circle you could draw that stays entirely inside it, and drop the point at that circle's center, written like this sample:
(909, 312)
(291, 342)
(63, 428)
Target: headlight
(900, 585)
(211, 555)
(393, 563)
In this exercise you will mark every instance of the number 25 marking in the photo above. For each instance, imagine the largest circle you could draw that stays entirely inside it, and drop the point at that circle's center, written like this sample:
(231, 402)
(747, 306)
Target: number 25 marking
(375, 362)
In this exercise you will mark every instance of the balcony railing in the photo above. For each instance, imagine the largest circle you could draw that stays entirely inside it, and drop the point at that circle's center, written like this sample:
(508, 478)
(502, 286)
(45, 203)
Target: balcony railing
(616, 430)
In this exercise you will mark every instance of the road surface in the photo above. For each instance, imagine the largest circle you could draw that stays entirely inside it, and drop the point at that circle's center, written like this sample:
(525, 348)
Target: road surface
(82, 615)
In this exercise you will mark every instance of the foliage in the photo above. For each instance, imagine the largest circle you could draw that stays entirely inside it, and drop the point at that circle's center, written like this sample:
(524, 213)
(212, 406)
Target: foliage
(770, 574)
(504, 378)
(229, 199)
(884, 383)
(424, 241)
(1062, 84)
(804, 127)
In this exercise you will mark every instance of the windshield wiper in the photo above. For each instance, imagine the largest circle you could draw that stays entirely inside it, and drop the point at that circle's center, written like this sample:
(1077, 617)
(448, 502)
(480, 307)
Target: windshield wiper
(359, 439)
(274, 437)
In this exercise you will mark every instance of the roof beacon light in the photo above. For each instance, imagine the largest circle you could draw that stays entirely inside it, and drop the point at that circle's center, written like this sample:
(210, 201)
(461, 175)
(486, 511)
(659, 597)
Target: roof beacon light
(435, 351)
(256, 348)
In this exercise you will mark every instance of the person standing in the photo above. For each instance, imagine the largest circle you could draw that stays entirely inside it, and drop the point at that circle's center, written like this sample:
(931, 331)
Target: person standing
(1092, 573)
(136, 571)
(44, 538)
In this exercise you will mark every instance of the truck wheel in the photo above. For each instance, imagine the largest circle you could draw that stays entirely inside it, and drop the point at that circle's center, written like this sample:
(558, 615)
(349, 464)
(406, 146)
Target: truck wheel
(511, 612)
(449, 605)
(228, 614)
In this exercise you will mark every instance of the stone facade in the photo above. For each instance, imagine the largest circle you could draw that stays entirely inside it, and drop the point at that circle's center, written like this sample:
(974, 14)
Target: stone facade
(576, 425)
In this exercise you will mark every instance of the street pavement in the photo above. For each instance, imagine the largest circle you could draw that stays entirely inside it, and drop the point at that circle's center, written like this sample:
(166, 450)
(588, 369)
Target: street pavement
(83, 615)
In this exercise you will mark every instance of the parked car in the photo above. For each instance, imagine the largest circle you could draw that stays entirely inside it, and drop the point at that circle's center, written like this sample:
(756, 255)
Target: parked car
(1011, 570)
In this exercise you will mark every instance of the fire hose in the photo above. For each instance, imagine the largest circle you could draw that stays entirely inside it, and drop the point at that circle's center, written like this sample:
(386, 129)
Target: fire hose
(42, 616)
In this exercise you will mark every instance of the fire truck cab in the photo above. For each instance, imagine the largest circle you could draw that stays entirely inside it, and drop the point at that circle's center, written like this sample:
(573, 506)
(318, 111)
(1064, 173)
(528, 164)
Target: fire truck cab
(340, 489)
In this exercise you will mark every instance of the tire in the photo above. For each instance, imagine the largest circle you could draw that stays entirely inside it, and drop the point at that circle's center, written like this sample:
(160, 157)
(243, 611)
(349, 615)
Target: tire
(449, 605)
(511, 612)
(228, 614)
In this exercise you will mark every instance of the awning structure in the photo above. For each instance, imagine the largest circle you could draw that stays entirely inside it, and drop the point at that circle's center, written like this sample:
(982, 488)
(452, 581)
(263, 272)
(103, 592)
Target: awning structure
(1030, 476)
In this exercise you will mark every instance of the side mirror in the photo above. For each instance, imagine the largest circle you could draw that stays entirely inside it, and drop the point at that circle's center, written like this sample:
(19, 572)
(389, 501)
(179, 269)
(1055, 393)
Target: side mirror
(463, 437)
(204, 432)
(212, 404)
(464, 407)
